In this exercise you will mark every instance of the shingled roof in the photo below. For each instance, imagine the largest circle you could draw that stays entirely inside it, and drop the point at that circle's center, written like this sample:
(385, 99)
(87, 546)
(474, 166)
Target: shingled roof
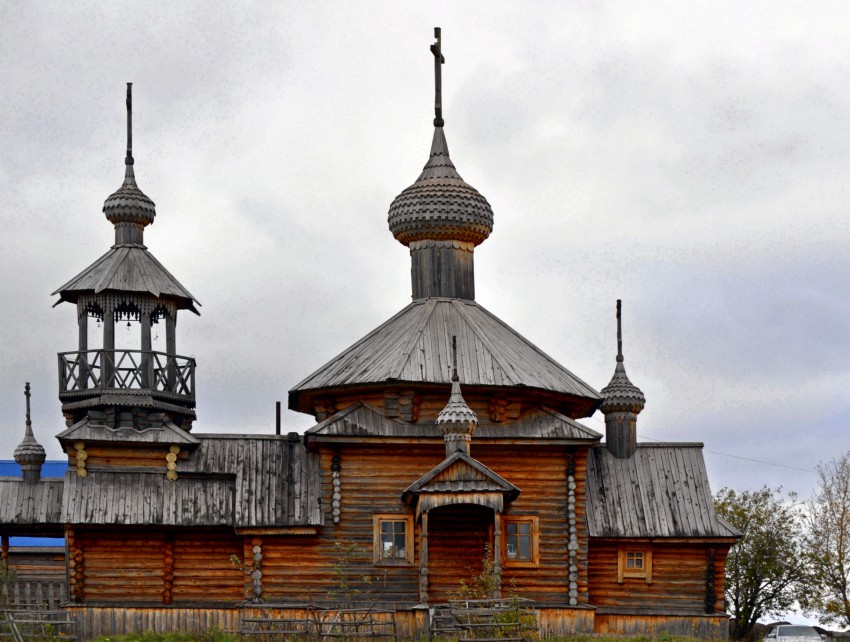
(414, 347)
(127, 268)
(660, 491)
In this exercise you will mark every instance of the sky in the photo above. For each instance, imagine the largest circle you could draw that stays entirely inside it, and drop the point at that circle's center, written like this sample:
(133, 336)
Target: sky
(689, 158)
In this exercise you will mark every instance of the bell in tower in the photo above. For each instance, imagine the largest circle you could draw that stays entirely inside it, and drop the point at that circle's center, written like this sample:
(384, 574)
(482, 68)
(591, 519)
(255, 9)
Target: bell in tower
(135, 386)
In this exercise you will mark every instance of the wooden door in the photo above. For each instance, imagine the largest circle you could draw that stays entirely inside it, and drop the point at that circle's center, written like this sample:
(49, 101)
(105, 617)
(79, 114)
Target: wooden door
(457, 543)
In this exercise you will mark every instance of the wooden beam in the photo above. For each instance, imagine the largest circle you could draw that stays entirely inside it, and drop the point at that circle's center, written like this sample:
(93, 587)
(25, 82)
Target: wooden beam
(423, 560)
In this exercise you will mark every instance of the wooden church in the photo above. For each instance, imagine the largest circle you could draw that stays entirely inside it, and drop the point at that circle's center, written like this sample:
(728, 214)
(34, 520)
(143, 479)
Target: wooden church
(445, 445)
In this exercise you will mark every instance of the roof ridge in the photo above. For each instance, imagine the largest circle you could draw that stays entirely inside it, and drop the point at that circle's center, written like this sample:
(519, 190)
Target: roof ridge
(414, 336)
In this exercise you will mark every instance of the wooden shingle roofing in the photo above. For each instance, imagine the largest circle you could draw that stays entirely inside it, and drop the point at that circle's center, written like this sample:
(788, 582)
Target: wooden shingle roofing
(414, 347)
(127, 268)
(30, 505)
(244, 481)
(660, 491)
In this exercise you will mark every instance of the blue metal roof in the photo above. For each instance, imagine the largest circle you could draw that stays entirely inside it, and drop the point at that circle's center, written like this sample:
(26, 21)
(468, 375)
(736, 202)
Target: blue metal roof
(10, 468)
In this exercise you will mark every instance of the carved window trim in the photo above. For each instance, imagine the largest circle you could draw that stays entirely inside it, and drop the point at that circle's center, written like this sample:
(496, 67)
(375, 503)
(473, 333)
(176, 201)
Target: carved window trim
(387, 525)
(514, 529)
(634, 562)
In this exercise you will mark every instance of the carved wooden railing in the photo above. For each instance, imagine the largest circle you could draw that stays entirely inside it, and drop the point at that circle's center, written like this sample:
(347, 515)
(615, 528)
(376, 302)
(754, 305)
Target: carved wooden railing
(126, 370)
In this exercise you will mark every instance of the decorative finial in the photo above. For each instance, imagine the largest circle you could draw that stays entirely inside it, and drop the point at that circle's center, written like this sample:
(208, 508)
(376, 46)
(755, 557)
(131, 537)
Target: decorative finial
(439, 61)
(29, 421)
(128, 160)
(619, 332)
(454, 359)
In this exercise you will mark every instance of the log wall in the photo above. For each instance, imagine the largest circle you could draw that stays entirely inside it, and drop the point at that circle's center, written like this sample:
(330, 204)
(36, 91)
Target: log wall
(678, 578)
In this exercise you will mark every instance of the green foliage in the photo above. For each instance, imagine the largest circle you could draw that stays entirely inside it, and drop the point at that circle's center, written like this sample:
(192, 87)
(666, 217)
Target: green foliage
(482, 585)
(827, 545)
(764, 570)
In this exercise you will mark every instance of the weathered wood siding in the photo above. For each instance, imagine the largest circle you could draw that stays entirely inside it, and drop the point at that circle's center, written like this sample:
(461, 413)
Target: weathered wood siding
(708, 627)
(678, 578)
(93, 622)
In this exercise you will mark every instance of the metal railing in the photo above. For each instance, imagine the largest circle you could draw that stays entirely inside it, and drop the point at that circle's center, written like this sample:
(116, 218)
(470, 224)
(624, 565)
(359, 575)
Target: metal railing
(126, 370)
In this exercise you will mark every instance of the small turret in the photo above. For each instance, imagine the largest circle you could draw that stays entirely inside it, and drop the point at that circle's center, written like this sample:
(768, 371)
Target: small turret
(456, 421)
(29, 454)
(622, 402)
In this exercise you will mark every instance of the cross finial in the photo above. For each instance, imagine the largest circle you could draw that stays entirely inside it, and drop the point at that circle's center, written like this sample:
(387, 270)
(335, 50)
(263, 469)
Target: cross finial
(128, 160)
(454, 359)
(27, 395)
(439, 60)
(619, 332)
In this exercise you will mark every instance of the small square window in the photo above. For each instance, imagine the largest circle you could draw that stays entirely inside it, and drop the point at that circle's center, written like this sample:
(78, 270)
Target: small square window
(519, 541)
(634, 562)
(393, 540)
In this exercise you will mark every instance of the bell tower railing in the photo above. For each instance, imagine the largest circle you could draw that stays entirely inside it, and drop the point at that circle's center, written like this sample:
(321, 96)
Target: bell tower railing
(104, 370)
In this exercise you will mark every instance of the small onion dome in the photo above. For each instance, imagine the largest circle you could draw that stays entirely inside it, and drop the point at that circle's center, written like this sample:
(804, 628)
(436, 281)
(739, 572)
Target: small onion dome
(129, 204)
(29, 454)
(456, 411)
(440, 205)
(621, 395)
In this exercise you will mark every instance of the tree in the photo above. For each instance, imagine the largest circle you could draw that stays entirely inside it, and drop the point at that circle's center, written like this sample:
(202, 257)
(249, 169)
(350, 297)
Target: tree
(764, 569)
(827, 545)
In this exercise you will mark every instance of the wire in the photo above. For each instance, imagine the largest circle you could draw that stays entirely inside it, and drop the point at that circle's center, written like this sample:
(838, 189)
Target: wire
(714, 452)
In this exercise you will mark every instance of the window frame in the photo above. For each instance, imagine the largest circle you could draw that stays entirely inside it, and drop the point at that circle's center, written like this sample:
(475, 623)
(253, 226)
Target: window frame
(624, 573)
(534, 549)
(377, 549)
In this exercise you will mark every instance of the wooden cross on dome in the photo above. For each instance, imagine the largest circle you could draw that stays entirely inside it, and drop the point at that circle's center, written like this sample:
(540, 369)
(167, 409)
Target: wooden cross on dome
(439, 61)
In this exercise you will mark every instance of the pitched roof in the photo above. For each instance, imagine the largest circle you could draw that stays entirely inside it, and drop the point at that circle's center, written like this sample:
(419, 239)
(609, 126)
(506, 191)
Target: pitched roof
(127, 268)
(660, 491)
(360, 420)
(460, 479)
(36, 505)
(413, 347)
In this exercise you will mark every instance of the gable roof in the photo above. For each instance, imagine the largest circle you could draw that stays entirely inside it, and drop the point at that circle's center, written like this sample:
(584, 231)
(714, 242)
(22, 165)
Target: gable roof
(414, 347)
(127, 268)
(460, 479)
(660, 491)
(360, 420)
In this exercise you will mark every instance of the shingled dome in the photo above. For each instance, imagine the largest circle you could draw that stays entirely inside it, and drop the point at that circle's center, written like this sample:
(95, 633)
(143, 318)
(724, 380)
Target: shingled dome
(129, 204)
(440, 205)
(622, 394)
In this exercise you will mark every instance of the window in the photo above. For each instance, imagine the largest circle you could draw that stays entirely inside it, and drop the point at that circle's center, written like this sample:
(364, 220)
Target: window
(519, 541)
(634, 562)
(393, 539)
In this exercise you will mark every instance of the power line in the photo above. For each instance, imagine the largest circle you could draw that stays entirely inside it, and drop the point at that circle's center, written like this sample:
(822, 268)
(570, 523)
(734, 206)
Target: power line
(715, 452)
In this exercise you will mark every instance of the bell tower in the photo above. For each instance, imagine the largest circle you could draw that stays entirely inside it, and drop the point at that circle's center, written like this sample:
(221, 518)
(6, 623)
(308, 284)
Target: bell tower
(136, 387)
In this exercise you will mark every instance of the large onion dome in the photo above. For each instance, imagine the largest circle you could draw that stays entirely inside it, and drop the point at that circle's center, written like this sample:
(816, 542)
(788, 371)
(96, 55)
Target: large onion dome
(440, 205)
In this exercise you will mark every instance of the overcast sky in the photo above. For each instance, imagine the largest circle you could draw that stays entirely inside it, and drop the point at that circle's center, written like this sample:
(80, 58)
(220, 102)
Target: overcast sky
(689, 158)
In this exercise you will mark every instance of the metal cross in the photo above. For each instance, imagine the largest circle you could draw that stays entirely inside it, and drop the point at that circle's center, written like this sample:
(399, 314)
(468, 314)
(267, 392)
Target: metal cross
(439, 61)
